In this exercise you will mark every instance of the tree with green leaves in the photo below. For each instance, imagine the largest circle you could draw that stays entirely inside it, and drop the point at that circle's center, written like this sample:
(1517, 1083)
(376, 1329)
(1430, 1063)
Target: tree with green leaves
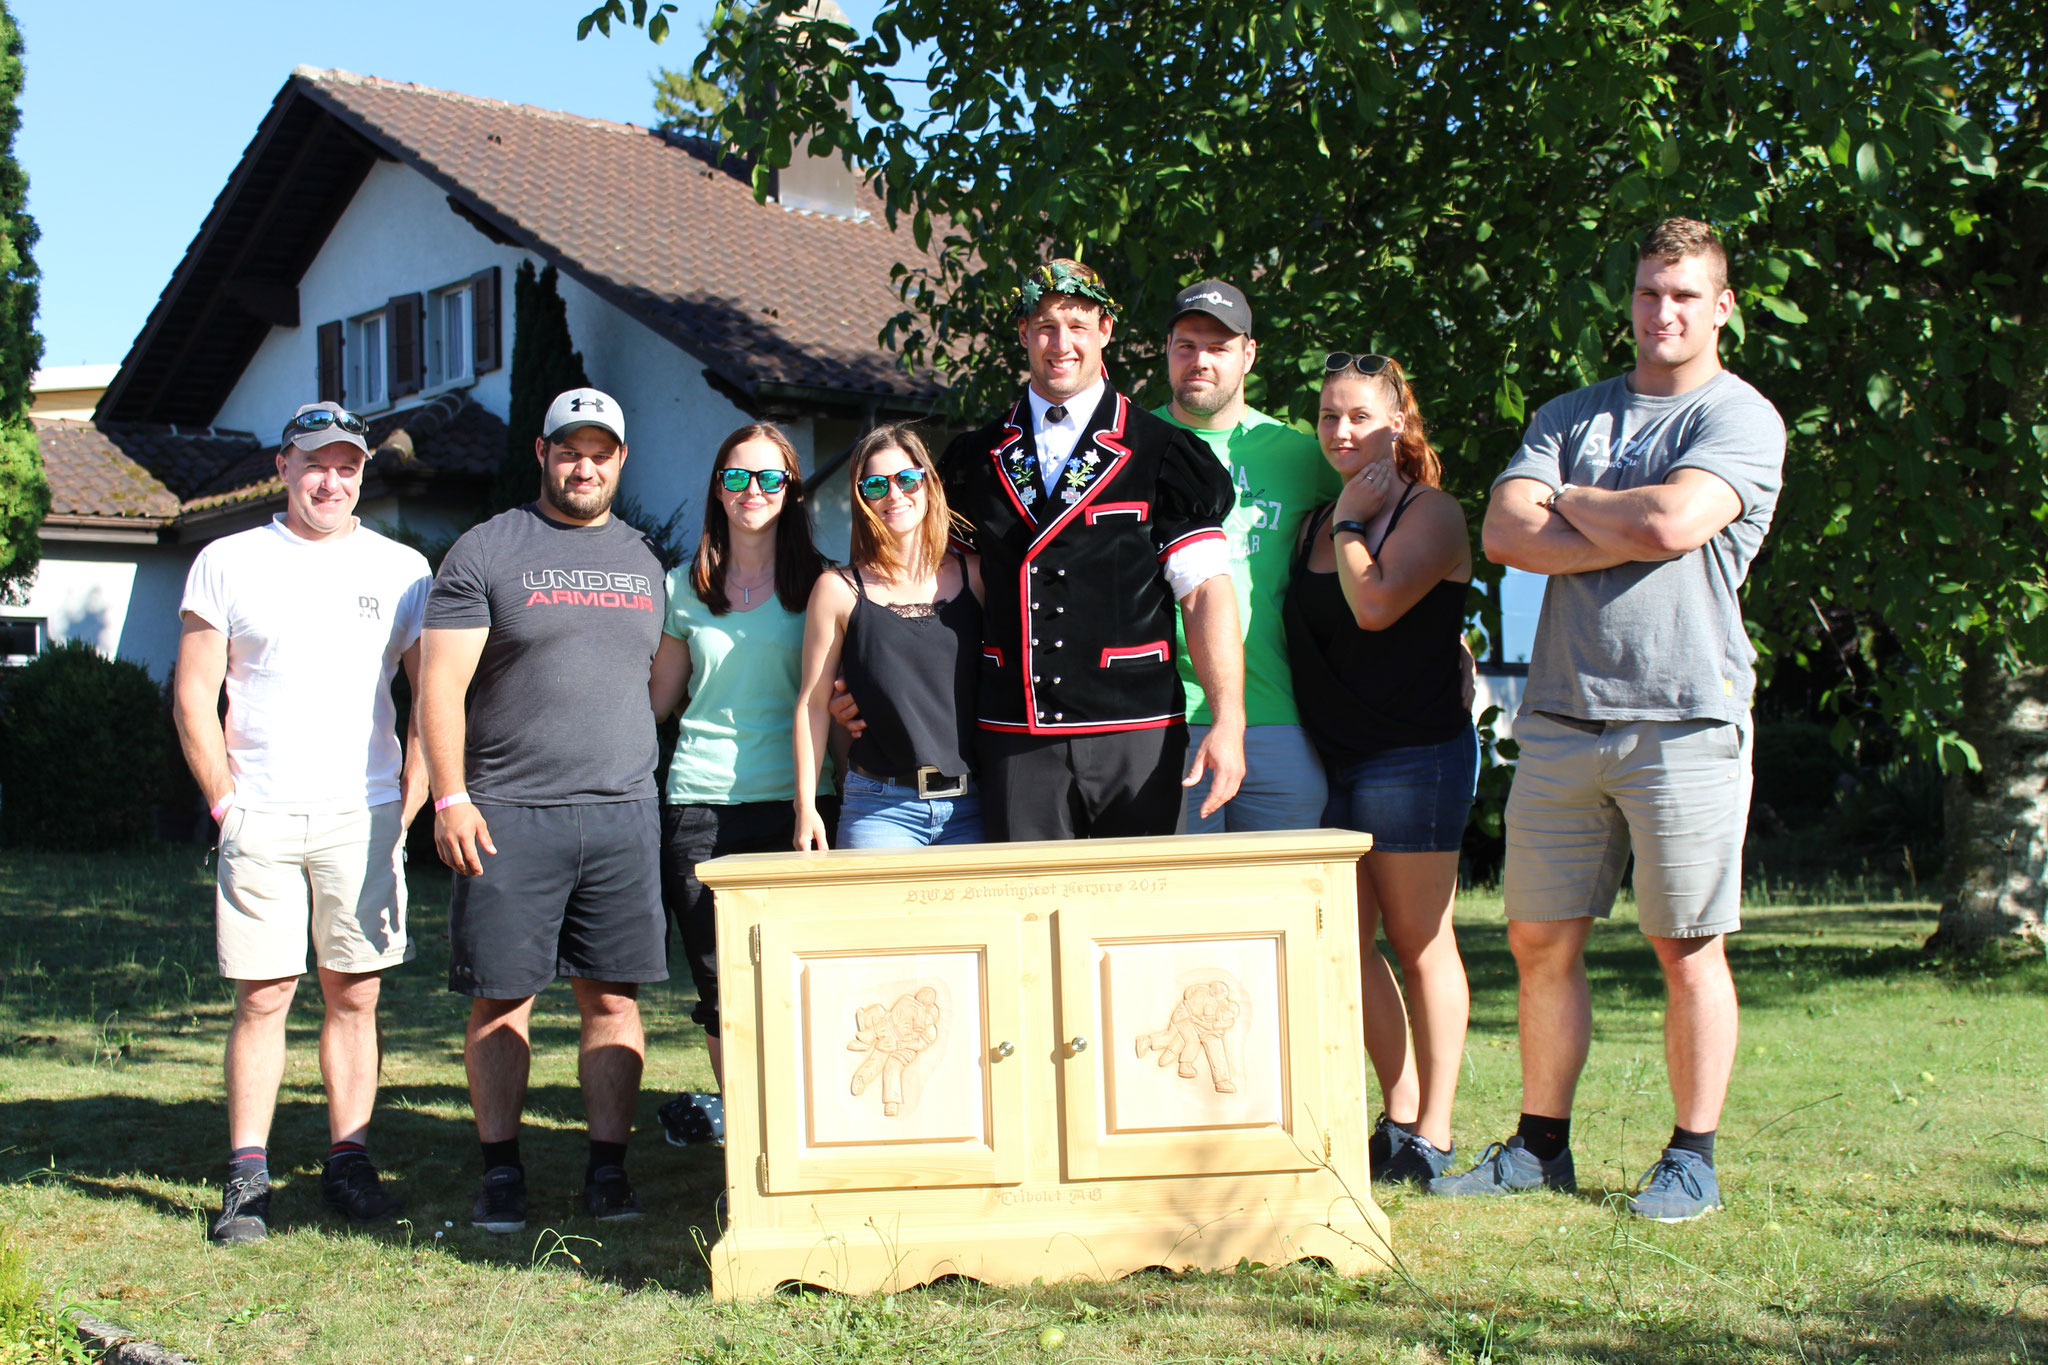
(545, 362)
(1463, 185)
(24, 495)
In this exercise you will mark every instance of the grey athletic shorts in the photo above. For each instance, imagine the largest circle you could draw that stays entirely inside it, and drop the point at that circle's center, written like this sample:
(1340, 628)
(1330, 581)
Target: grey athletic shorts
(1587, 794)
(571, 891)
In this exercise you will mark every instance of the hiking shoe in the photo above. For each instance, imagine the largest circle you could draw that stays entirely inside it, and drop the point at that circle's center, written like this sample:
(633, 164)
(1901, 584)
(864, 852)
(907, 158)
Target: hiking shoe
(1678, 1189)
(500, 1201)
(1509, 1168)
(609, 1197)
(690, 1120)
(353, 1189)
(244, 1211)
(1416, 1161)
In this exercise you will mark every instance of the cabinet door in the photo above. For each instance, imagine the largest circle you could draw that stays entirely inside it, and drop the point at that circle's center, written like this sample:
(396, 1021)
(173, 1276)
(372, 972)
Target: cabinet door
(890, 1065)
(1197, 1048)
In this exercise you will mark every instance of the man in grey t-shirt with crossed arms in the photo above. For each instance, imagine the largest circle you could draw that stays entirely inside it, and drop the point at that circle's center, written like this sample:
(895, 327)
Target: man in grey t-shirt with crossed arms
(1645, 499)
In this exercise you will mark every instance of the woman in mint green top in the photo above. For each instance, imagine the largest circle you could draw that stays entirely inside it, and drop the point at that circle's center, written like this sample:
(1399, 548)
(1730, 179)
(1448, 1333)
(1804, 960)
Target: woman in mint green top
(731, 644)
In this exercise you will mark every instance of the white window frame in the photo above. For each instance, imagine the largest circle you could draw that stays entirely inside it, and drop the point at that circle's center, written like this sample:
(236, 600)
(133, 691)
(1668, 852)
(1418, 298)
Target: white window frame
(363, 357)
(461, 297)
(40, 625)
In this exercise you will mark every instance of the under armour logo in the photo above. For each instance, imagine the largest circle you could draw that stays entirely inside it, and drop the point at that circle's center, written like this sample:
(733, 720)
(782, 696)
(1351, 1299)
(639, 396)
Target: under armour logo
(367, 606)
(579, 404)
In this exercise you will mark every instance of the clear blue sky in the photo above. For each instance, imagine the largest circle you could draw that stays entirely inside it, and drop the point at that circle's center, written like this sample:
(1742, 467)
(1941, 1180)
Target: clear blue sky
(136, 111)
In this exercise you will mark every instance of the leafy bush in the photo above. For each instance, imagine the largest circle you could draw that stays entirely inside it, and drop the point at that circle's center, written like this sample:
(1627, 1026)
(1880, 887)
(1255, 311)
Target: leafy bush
(83, 751)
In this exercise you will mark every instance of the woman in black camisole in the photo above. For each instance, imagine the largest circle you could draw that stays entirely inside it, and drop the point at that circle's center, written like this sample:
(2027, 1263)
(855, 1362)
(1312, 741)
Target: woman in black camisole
(903, 622)
(1375, 615)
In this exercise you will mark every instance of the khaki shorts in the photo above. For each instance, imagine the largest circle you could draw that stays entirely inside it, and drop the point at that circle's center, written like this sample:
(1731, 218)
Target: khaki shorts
(1673, 793)
(337, 876)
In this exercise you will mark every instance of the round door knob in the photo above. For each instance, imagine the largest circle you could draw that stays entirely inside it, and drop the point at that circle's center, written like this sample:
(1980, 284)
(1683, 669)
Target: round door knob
(1077, 1044)
(1006, 1049)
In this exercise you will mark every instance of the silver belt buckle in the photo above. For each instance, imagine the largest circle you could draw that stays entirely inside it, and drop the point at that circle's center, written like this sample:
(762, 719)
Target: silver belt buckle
(948, 786)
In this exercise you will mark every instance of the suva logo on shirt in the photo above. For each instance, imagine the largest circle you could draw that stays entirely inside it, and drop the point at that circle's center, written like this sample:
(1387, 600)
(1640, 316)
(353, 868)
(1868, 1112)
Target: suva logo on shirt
(588, 588)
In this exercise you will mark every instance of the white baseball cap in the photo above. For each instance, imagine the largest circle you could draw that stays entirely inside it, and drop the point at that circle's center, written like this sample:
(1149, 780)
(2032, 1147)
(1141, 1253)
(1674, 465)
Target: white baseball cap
(584, 408)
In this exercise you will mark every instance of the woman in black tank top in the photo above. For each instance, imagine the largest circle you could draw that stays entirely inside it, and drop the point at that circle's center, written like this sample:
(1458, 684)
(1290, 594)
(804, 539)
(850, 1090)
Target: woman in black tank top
(1375, 615)
(903, 623)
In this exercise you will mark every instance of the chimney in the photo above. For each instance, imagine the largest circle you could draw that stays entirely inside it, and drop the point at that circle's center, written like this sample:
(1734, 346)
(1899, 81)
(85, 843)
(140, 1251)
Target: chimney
(820, 184)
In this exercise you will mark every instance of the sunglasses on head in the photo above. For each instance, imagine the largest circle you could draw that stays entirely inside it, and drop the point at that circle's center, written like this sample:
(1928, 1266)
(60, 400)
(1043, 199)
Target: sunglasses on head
(320, 419)
(1369, 365)
(875, 487)
(733, 479)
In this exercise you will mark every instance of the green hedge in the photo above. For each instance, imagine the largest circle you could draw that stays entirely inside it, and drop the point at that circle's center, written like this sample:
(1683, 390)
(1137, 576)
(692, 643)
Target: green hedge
(83, 751)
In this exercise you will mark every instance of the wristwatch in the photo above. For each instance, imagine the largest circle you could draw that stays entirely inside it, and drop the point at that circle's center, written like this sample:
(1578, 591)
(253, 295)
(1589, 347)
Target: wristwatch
(1356, 528)
(1550, 503)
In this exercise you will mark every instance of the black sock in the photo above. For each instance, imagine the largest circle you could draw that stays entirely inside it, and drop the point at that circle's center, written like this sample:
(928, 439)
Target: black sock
(1546, 1138)
(343, 1152)
(1400, 1127)
(248, 1161)
(1702, 1143)
(604, 1154)
(504, 1153)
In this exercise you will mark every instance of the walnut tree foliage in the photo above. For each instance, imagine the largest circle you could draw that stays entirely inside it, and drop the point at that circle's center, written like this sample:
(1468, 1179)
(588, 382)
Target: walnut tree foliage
(24, 495)
(1461, 185)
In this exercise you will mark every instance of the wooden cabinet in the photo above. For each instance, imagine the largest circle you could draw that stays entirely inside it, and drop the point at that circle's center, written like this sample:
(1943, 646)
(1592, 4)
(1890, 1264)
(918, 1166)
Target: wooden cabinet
(1008, 1061)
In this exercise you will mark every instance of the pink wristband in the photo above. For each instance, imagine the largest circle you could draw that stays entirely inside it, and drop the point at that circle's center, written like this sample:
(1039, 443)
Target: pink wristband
(452, 799)
(220, 807)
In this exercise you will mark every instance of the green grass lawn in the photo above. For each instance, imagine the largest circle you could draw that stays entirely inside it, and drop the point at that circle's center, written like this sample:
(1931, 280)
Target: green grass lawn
(1884, 1158)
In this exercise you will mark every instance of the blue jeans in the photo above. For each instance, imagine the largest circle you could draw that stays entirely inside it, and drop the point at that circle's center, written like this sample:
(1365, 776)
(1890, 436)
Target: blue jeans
(877, 814)
(1414, 799)
(1283, 785)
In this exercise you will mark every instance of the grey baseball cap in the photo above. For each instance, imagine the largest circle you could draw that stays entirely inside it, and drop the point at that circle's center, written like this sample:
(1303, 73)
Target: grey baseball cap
(336, 423)
(1221, 301)
(584, 408)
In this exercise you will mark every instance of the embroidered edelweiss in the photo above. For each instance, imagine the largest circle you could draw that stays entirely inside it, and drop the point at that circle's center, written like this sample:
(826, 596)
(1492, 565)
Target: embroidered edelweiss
(1091, 459)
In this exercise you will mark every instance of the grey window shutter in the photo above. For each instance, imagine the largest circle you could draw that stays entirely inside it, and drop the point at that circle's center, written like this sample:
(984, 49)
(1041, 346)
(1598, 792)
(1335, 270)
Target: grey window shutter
(483, 313)
(328, 344)
(404, 346)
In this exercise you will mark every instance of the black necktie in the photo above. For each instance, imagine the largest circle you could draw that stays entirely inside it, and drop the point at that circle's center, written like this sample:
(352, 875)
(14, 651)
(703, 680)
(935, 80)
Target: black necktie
(1056, 413)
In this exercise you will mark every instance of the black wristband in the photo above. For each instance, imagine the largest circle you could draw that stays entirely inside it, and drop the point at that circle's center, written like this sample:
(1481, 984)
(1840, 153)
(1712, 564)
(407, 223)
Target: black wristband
(1357, 528)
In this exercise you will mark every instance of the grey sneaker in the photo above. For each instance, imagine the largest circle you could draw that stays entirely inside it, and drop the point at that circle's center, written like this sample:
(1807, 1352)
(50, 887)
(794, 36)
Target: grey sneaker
(691, 1119)
(1678, 1189)
(1509, 1168)
(500, 1201)
(608, 1196)
(1416, 1161)
(244, 1211)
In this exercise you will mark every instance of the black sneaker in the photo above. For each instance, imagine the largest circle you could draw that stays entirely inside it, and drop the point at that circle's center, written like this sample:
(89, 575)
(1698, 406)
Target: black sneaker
(1416, 1161)
(500, 1201)
(244, 1211)
(1379, 1148)
(353, 1189)
(608, 1196)
(690, 1120)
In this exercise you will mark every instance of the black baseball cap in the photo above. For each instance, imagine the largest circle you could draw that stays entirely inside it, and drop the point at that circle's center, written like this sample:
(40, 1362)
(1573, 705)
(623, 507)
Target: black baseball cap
(1221, 301)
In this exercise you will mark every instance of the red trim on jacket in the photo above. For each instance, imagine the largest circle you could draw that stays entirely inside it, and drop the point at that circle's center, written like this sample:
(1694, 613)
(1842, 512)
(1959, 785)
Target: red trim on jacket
(1192, 537)
(1158, 649)
(1140, 510)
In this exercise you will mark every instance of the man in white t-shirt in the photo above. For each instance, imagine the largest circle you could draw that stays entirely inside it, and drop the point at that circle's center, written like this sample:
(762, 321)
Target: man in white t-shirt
(306, 620)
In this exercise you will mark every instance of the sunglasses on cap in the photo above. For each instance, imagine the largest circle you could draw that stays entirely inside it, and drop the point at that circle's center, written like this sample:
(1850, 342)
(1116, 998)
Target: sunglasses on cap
(1370, 365)
(875, 487)
(734, 479)
(320, 419)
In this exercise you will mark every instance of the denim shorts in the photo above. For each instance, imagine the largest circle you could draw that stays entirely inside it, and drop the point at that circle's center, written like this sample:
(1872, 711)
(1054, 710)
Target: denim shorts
(1410, 800)
(878, 814)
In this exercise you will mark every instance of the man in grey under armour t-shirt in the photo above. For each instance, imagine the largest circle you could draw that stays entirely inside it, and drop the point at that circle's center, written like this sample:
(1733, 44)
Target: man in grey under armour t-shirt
(539, 733)
(1645, 499)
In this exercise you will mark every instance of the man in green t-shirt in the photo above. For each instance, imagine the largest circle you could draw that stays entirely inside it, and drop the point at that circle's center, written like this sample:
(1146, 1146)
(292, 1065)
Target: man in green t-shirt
(1279, 474)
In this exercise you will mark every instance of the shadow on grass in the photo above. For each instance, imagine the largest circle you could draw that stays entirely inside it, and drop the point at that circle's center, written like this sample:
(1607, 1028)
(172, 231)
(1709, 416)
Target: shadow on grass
(125, 1149)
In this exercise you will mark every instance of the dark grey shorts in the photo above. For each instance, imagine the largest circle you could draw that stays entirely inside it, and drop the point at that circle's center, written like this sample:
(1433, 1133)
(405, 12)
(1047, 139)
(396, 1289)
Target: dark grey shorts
(571, 891)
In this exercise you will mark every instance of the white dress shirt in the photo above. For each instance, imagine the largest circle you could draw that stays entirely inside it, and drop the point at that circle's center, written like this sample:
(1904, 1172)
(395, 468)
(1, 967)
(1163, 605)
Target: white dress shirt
(1056, 440)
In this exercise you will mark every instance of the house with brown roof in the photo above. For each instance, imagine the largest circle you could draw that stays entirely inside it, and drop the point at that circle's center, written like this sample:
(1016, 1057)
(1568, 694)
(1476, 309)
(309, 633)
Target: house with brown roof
(363, 251)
